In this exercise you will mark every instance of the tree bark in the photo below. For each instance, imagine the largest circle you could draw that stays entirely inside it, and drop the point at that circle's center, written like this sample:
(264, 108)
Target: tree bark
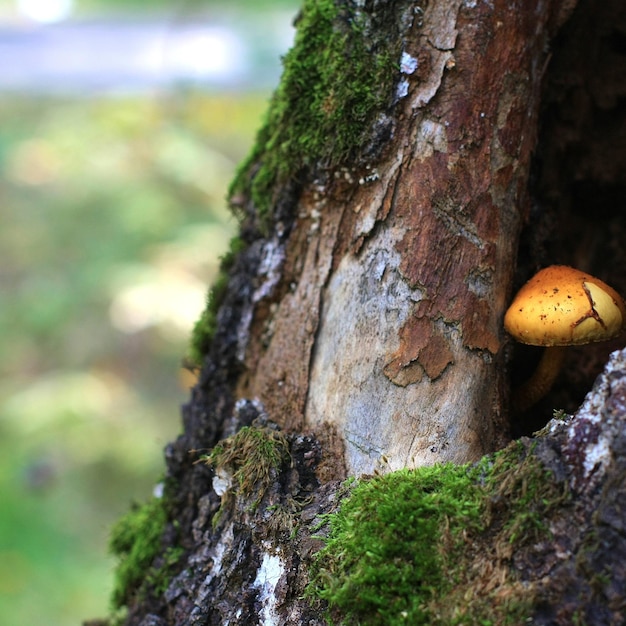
(360, 330)
(391, 332)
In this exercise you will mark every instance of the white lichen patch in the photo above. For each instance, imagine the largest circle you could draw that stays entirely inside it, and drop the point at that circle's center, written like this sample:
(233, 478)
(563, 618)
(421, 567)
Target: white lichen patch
(267, 577)
(272, 258)
(597, 456)
(271, 263)
(408, 64)
(592, 432)
(243, 332)
(216, 555)
(402, 89)
(222, 481)
(431, 138)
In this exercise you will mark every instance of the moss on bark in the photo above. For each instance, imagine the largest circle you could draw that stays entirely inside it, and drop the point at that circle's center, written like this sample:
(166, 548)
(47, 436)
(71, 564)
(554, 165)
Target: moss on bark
(337, 81)
(433, 545)
(328, 110)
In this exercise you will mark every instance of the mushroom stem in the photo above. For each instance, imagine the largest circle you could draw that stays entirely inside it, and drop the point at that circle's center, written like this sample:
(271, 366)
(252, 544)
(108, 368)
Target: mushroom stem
(538, 385)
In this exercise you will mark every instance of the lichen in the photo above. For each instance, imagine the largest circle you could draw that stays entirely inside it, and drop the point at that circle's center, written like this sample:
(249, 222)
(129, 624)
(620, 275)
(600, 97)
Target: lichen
(337, 80)
(433, 545)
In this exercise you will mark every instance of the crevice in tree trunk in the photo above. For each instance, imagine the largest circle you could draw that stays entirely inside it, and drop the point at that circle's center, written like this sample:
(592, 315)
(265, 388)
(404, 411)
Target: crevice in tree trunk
(578, 216)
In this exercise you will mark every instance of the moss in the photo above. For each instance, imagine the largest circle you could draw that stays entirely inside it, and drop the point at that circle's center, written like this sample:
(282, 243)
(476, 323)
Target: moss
(205, 327)
(380, 565)
(521, 494)
(251, 457)
(136, 541)
(433, 545)
(337, 80)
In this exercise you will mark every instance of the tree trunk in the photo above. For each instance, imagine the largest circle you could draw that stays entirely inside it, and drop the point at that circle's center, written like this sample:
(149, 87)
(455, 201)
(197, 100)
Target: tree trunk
(387, 212)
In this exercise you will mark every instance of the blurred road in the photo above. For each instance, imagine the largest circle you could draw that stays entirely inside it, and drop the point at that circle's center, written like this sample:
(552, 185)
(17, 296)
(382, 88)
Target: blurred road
(88, 57)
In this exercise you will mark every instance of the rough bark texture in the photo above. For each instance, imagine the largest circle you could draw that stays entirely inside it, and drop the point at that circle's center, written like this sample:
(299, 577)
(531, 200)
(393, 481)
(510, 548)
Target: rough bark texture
(361, 325)
(580, 573)
(432, 242)
(391, 334)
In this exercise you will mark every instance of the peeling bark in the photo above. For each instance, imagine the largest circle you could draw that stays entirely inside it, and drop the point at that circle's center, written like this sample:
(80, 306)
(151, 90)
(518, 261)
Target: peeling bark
(426, 283)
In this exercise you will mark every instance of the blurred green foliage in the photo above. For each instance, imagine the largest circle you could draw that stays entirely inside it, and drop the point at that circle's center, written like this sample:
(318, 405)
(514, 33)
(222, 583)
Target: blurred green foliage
(113, 220)
(185, 5)
(178, 8)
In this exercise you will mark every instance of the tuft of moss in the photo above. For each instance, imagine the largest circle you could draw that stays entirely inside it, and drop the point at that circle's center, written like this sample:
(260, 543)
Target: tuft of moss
(252, 457)
(380, 564)
(521, 493)
(136, 541)
(159, 578)
(204, 329)
(337, 80)
(432, 546)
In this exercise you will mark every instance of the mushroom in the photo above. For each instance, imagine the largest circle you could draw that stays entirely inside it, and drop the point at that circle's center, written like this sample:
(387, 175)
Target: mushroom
(560, 306)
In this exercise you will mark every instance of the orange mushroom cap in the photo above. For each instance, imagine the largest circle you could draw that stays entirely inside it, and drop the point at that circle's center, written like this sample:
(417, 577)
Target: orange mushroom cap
(562, 306)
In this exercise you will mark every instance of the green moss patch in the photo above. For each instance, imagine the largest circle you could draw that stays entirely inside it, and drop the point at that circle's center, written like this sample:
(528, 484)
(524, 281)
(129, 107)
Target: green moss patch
(337, 79)
(136, 541)
(381, 562)
(337, 82)
(433, 545)
(205, 327)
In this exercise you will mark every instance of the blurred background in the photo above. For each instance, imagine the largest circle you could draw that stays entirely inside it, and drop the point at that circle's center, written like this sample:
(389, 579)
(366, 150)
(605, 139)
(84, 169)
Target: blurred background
(121, 123)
